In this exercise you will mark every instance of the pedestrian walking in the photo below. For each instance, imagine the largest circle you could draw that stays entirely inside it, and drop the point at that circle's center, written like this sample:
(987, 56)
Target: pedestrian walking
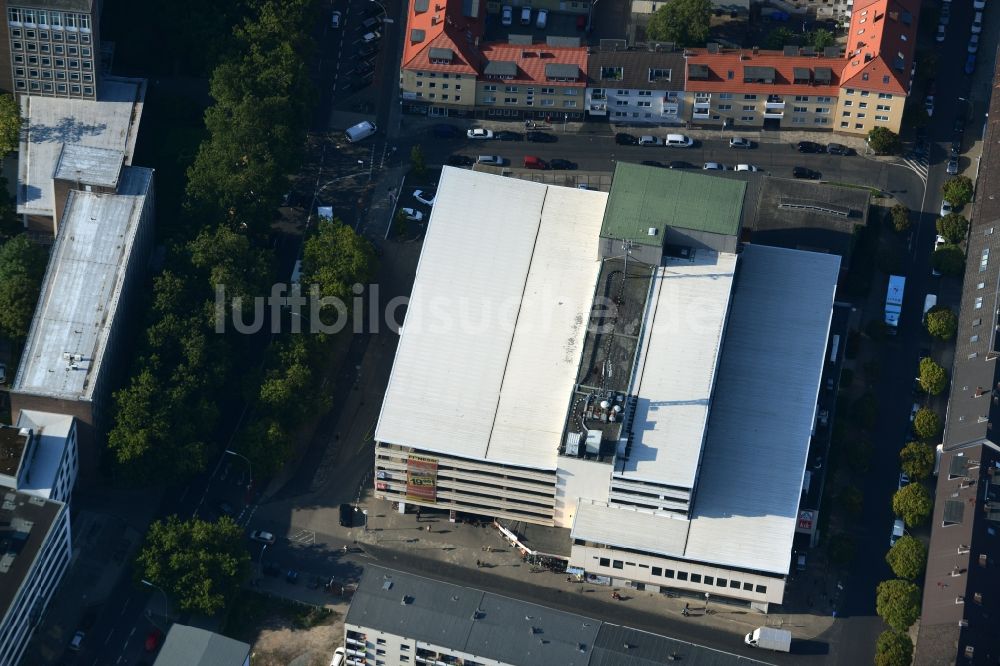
(478, 564)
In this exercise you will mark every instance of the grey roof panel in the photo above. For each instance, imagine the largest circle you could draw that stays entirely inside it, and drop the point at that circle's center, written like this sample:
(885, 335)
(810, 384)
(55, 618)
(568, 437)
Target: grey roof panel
(697, 71)
(520, 40)
(500, 68)
(89, 166)
(636, 67)
(436, 53)
(822, 74)
(568, 42)
(801, 73)
(557, 70)
(420, 6)
(417, 35)
(754, 73)
(191, 646)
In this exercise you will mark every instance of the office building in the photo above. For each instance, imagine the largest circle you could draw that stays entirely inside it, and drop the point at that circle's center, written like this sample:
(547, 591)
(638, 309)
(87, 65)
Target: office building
(192, 646)
(401, 618)
(51, 48)
(632, 381)
(636, 86)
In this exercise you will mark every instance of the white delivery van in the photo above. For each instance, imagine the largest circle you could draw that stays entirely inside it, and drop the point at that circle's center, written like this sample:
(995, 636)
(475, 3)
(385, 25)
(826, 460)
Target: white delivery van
(679, 141)
(770, 638)
(362, 130)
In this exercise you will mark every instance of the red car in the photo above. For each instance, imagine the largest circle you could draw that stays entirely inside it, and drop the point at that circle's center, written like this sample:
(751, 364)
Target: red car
(153, 640)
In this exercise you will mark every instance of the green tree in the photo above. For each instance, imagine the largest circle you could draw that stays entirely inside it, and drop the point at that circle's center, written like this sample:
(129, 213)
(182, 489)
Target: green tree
(958, 190)
(22, 267)
(941, 322)
(859, 454)
(417, 160)
(199, 564)
(898, 603)
(893, 648)
(933, 377)
(841, 549)
(683, 22)
(336, 258)
(917, 460)
(779, 38)
(913, 504)
(953, 227)
(900, 217)
(949, 260)
(907, 557)
(926, 424)
(865, 410)
(820, 39)
(10, 125)
(883, 141)
(852, 500)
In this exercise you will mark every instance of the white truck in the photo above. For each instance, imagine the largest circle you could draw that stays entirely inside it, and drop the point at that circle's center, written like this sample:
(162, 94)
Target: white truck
(894, 302)
(770, 638)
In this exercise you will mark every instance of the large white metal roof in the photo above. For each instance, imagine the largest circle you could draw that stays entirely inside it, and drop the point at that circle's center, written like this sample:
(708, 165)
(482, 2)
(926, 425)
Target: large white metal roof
(110, 122)
(761, 420)
(79, 297)
(685, 319)
(495, 325)
(622, 527)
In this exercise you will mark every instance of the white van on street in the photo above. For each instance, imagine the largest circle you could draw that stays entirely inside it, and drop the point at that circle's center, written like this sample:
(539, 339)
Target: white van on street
(362, 130)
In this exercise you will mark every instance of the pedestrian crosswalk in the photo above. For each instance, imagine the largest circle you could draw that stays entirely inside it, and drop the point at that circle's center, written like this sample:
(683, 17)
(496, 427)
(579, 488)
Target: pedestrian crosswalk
(917, 164)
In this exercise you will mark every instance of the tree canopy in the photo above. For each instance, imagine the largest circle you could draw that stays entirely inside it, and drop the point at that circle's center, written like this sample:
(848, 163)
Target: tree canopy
(933, 377)
(199, 564)
(953, 227)
(913, 504)
(917, 460)
(883, 141)
(900, 217)
(10, 125)
(22, 267)
(907, 557)
(822, 38)
(958, 190)
(898, 603)
(949, 260)
(683, 22)
(336, 258)
(942, 323)
(893, 648)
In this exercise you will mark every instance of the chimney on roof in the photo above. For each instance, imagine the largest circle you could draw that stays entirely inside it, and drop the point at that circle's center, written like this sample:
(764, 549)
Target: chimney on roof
(756, 50)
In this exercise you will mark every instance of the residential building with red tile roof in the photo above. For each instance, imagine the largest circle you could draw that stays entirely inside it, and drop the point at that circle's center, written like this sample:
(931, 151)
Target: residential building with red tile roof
(448, 70)
(752, 88)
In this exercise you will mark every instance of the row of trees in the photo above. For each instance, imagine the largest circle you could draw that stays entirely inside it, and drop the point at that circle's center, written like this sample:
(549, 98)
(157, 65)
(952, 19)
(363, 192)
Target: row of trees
(166, 416)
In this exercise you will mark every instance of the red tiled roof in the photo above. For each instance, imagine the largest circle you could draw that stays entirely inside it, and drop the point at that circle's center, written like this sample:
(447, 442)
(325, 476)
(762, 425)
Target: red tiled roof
(444, 26)
(721, 64)
(531, 60)
(881, 44)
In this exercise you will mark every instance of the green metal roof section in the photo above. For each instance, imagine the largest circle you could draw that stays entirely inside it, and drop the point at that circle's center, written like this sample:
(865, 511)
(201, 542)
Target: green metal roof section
(643, 197)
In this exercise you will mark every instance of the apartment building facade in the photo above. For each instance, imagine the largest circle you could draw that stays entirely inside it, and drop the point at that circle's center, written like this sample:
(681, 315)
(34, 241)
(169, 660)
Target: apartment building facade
(755, 89)
(52, 48)
(521, 79)
(631, 86)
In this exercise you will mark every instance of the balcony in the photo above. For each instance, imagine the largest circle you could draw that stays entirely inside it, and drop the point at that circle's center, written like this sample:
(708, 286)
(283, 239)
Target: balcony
(598, 108)
(774, 103)
(773, 114)
(701, 114)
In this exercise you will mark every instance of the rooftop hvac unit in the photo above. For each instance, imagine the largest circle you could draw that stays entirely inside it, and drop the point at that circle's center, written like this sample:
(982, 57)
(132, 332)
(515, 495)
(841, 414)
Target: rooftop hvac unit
(594, 442)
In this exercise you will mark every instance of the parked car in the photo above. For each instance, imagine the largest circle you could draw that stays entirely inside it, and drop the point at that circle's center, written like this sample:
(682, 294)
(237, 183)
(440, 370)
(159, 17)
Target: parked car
(973, 43)
(479, 133)
(339, 657)
(153, 640)
(977, 23)
(372, 36)
(898, 530)
(945, 15)
(262, 536)
(653, 163)
(526, 16)
(979, 4)
(335, 19)
(952, 168)
(939, 242)
(946, 207)
(940, 35)
(541, 19)
(545, 137)
(532, 162)
(745, 167)
(913, 411)
(809, 147)
(563, 165)
(678, 141)
(625, 139)
(76, 641)
(460, 161)
(803, 172)
(445, 131)
(425, 197)
(740, 142)
(508, 136)
(838, 149)
(650, 140)
(904, 479)
(412, 214)
(507, 15)
(680, 164)
(970, 63)
(492, 160)
(929, 105)
(713, 166)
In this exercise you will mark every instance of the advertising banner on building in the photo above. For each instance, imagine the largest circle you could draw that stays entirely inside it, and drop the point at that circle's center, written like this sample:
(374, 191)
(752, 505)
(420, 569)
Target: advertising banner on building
(807, 521)
(421, 479)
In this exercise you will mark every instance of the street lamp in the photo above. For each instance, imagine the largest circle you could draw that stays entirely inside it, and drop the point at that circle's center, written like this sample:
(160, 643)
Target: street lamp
(166, 607)
(365, 512)
(706, 603)
(260, 560)
(249, 466)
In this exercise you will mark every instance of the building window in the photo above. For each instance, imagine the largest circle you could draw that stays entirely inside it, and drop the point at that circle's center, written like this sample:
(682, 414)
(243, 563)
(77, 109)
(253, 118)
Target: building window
(801, 98)
(858, 125)
(720, 582)
(548, 102)
(485, 99)
(569, 91)
(644, 103)
(748, 587)
(749, 107)
(657, 571)
(822, 109)
(552, 91)
(668, 573)
(725, 95)
(979, 302)
(884, 96)
(863, 105)
(884, 119)
(709, 580)
(848, 103)
(734, 584)
(510, 89)
(846, 114)
(826, 100)
(725, 107)
(570, 103)
(749, 96)
(695, 578)
(864, 93)
(380, 641)
(762, 589)
(682, 575)
(860, 115)
(604, 562)
(748, 119)
(618, 564)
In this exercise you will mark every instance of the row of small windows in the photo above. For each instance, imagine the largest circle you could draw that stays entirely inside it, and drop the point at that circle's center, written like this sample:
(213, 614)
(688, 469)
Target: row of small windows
(685, 576)
(52, 19)
(49, 75)
(56, 49)
(46, 61)
(492, 99)
(513, 89)
(45, 86)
